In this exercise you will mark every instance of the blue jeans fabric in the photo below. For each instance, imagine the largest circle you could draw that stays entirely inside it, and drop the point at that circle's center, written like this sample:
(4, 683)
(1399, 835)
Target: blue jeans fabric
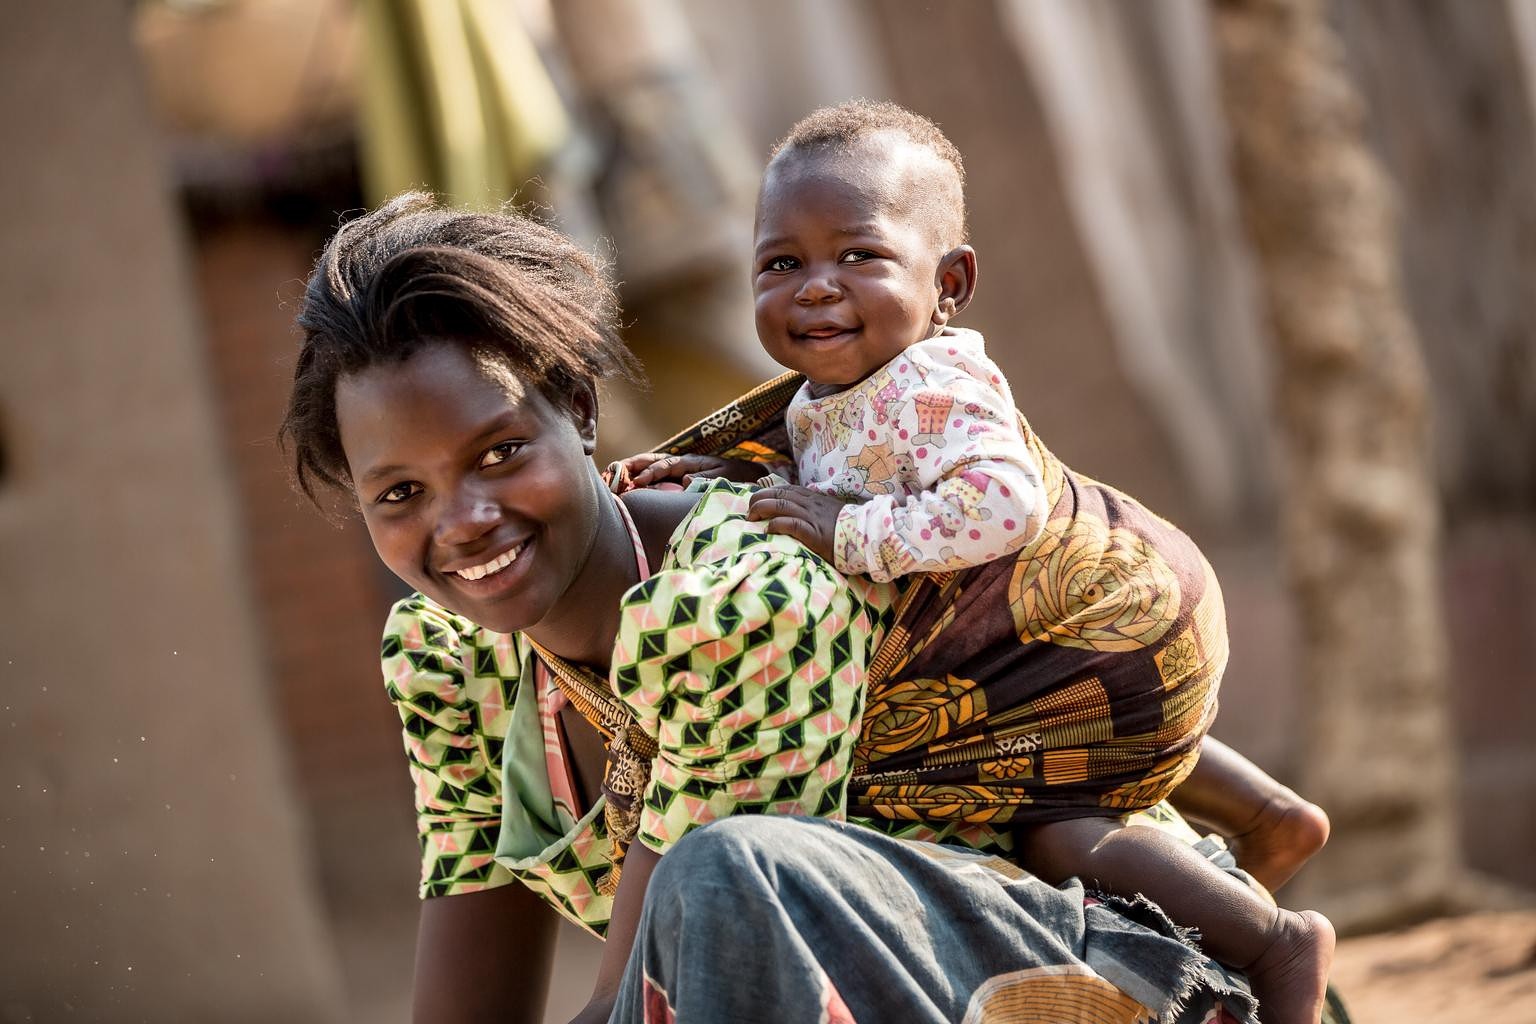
(773, 919)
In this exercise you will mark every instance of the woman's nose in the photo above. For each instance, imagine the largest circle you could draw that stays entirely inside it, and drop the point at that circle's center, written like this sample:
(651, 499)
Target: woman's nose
(820, 286)
(470, 516)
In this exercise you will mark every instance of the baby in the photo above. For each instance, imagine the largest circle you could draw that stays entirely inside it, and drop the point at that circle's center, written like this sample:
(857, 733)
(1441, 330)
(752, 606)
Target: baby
(911, 458)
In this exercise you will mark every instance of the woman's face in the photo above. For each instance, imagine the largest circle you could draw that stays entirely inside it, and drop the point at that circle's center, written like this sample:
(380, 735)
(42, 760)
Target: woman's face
(477, 491)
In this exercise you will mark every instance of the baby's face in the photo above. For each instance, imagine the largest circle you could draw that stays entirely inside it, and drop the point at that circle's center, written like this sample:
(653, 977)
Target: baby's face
(844, 276)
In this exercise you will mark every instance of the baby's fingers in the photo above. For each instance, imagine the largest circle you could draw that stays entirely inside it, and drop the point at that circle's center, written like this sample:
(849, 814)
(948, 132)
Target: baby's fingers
(804, 530)
(780, 496)
(767, 503)
(792, 526)
(669, 467)
(634, 465)
(710, 472)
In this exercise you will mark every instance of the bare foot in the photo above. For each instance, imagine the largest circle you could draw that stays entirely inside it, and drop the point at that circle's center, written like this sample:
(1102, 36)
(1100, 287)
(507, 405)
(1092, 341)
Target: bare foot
(1291, 976)
(1280, 839)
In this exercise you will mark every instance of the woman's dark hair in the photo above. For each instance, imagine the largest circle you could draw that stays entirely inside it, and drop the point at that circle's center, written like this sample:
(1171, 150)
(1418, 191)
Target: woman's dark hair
(410, 273)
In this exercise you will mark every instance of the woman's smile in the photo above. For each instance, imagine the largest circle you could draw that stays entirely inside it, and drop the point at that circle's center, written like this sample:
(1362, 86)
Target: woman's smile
(492, 567)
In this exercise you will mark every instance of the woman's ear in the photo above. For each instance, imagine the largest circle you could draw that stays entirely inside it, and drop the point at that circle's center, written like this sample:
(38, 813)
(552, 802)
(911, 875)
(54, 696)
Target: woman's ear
(584, 413)
(956, 281)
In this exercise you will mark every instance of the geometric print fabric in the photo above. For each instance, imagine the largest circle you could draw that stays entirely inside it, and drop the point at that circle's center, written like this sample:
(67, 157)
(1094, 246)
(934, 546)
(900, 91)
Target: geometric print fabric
(745, 660)
(743, 656)
(456, 687)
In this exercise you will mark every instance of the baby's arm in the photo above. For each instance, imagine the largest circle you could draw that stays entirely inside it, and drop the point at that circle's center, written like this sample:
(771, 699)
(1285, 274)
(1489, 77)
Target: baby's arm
(981, 496)
(651, 468)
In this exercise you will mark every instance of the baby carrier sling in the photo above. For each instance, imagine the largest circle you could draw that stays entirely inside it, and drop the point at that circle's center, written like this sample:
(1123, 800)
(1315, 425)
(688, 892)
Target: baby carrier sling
(1073, 678)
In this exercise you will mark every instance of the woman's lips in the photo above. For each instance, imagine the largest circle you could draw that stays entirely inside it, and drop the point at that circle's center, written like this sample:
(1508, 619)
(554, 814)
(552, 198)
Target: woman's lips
(493, 577)
(495, 565)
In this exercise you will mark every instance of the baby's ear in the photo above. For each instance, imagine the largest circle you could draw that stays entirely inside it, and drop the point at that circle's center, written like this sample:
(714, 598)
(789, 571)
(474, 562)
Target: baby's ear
(956, 280)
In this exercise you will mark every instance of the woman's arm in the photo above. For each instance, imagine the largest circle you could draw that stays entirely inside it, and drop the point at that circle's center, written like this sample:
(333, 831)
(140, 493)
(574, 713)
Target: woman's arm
(742, 659)
(483, 956)
(485, 942)
(639, 862)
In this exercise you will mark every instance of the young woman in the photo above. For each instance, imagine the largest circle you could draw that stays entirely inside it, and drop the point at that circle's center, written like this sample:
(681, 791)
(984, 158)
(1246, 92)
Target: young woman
(584, 681)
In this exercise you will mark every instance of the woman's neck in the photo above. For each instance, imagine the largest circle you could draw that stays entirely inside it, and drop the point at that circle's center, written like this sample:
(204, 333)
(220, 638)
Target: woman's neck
(584, 625)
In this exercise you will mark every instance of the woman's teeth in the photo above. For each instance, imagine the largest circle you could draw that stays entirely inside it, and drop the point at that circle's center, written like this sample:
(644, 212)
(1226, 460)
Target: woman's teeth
(500, 562)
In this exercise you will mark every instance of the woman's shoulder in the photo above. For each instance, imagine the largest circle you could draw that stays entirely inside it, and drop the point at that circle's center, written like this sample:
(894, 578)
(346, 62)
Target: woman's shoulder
(426, 645)
(417, 623)
(421, 622)
(717, 530)
(658, 514)
(717, 555)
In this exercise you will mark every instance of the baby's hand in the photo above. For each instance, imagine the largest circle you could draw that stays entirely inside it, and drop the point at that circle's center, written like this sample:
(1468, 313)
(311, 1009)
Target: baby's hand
(799, 512)
(653, 468)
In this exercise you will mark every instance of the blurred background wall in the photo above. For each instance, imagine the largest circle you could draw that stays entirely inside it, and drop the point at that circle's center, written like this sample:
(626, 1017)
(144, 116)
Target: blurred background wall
(171, 169)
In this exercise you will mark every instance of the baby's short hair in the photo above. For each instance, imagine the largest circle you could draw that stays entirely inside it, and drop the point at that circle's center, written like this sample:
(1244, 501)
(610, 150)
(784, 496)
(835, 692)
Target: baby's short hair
(840, 128)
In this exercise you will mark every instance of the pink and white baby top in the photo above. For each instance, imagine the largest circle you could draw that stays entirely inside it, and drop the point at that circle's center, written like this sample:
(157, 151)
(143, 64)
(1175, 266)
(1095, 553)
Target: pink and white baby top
(930, 450)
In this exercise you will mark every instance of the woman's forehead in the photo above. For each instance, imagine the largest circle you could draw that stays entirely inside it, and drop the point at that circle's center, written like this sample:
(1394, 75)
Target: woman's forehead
(436, 398)
(448, 372)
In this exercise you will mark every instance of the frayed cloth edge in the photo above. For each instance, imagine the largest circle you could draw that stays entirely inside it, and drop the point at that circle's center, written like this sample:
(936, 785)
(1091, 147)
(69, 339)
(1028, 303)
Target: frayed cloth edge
(1197, 972)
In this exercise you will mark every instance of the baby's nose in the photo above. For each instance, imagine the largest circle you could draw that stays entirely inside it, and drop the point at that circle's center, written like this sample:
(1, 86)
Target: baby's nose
(819, 288)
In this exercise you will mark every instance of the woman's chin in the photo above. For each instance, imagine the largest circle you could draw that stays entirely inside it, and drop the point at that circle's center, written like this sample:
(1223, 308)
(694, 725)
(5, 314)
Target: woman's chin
(500, 605)
(495, 616)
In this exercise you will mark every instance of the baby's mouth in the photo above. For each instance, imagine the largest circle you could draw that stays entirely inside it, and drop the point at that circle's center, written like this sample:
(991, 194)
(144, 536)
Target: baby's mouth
(826, 332)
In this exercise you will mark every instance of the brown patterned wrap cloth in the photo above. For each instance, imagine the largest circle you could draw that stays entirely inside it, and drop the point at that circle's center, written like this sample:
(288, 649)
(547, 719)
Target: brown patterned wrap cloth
(1074, 678)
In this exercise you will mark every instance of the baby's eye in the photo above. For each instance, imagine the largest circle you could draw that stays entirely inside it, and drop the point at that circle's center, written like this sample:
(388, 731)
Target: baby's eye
(399, 493)
(857, 256)
(499, 453)
(781, 263)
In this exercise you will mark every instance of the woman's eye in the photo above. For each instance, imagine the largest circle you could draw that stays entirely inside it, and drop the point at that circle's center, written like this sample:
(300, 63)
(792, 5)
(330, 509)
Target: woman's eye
(857, 256)
(499, 453)
(781, 263)
(398, 493)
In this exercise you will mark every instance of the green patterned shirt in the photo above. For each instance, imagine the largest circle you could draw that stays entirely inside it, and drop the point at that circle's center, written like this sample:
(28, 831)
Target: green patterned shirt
(743, 657)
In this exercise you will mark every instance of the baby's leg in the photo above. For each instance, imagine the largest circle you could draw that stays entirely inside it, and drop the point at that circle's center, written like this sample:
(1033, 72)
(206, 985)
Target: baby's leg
(1272, 831)
(1286, 954)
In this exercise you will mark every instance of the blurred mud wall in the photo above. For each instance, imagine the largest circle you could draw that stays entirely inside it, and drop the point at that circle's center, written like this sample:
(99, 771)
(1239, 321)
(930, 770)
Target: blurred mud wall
(1360, 529)
(1451, 94)
(157, 863)
(1451, 90)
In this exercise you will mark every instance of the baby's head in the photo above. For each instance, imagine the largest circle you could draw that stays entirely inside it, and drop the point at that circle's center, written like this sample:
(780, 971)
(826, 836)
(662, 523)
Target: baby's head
(519, 298)
(860, 241)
